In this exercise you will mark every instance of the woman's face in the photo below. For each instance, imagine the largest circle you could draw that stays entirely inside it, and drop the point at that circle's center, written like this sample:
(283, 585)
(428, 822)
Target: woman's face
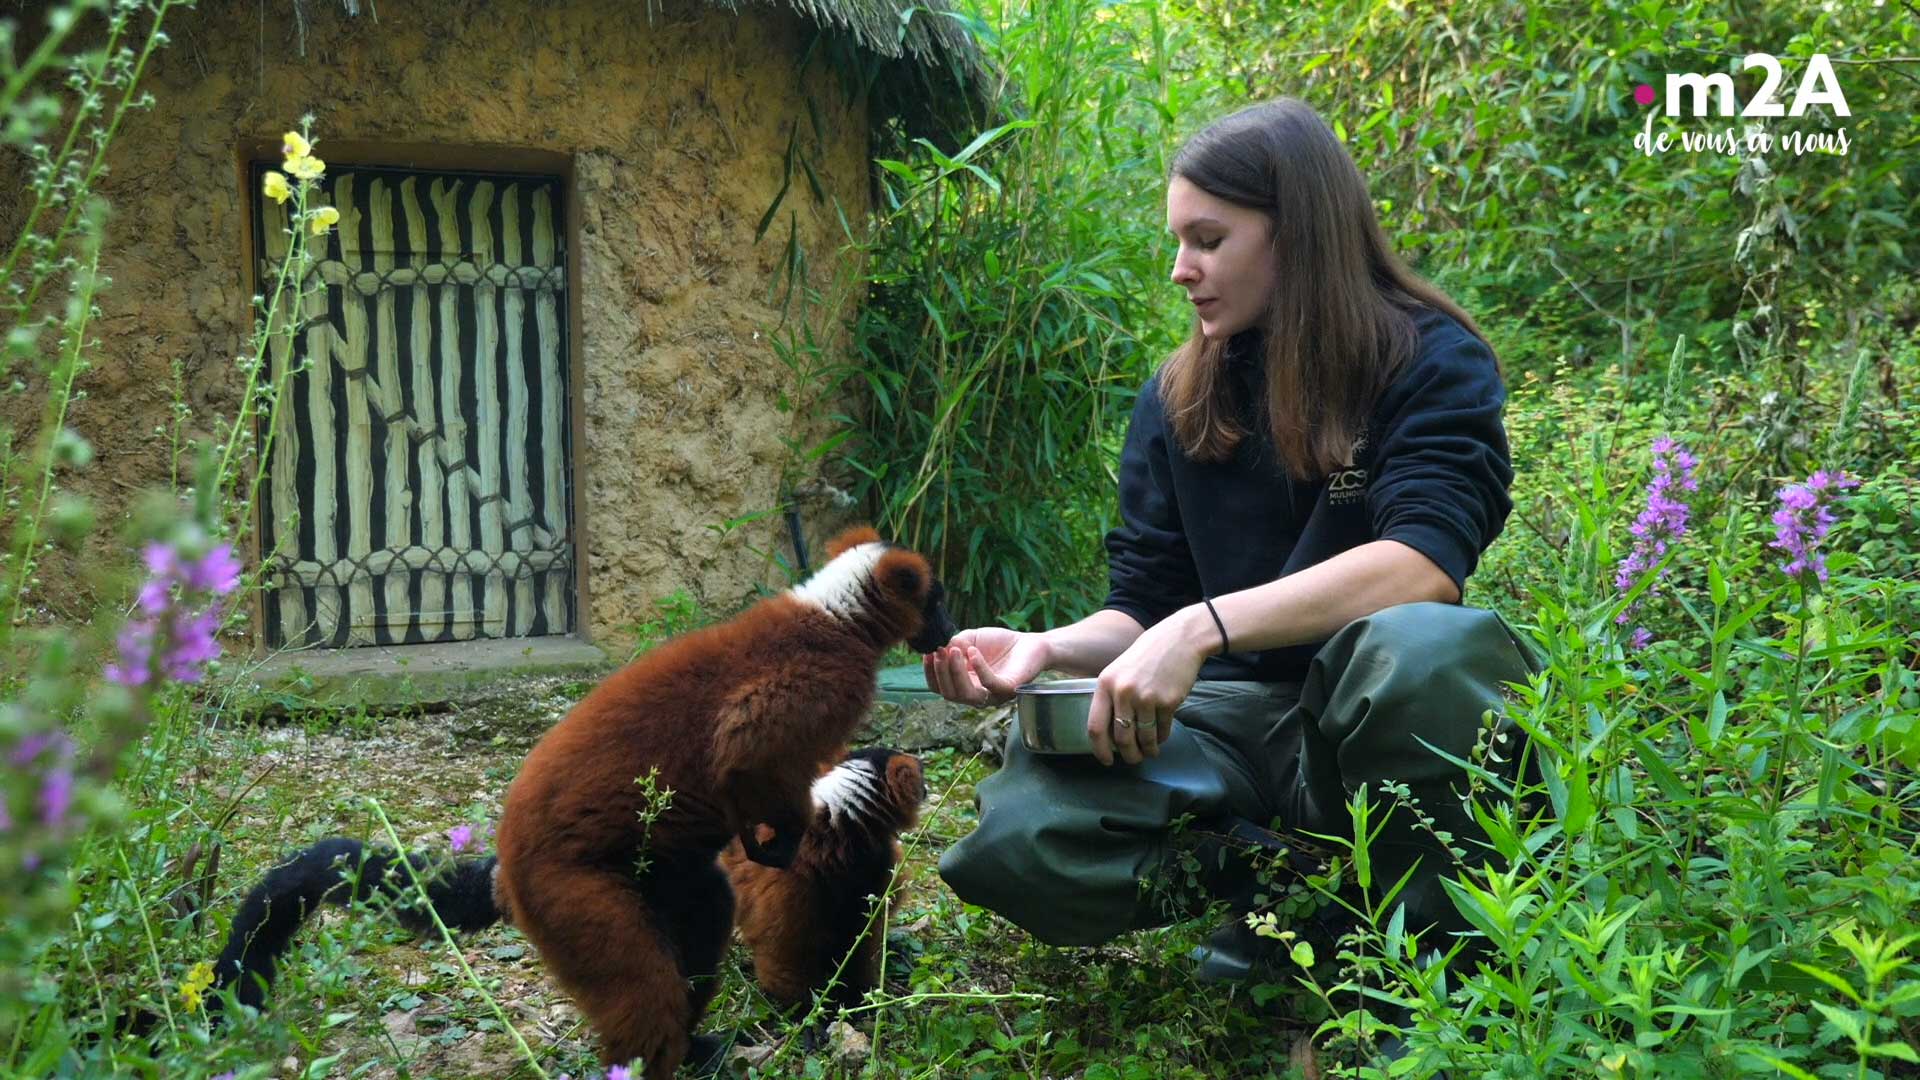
(1225, 261)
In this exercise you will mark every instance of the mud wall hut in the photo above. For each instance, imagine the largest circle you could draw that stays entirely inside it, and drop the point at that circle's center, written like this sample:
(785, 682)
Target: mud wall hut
(539, 370)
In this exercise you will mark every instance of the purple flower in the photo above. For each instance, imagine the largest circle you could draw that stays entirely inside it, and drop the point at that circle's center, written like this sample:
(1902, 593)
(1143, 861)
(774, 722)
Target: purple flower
(619, 1072)
(192, 645)
(56, 777)
(56, 796)
(1662, 522)
(135, 666)
(228, 1075)
(1804, 519)
(162, 560)
(461, 837)
(217, 573)
(156, 595)
(31, 747)
(170, 627)
(1642, 637)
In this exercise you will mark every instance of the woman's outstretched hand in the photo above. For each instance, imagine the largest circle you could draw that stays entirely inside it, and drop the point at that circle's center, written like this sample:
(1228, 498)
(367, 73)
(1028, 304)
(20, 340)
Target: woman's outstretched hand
(983, 666)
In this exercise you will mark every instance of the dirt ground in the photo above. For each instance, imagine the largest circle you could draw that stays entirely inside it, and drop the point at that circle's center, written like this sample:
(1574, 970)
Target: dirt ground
(414, 1012)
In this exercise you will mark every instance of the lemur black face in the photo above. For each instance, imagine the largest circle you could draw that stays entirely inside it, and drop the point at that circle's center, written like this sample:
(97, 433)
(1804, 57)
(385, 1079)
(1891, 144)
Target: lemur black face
(936, 626)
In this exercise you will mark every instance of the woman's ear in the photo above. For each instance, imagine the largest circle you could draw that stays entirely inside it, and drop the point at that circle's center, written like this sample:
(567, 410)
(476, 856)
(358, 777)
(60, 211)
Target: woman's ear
(852, 538)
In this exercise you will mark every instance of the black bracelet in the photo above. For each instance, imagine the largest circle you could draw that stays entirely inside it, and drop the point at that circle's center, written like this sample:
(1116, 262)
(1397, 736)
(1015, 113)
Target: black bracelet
(1225, 645)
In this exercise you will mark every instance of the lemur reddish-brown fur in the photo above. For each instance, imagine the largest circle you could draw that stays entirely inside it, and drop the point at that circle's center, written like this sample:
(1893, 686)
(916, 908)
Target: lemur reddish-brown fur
(738, 719)
(802, 922)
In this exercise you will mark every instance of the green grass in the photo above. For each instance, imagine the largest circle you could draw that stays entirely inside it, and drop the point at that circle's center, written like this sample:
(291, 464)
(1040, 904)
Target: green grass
(1717, 876)
(965, 994)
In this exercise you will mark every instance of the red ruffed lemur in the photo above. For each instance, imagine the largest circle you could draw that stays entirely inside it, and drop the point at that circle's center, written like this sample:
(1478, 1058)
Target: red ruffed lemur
(618, 885)
(800, 923)
(736, 721)
(816, 926)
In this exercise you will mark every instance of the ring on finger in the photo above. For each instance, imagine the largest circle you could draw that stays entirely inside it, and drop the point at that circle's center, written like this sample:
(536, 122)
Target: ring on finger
(1122, 721)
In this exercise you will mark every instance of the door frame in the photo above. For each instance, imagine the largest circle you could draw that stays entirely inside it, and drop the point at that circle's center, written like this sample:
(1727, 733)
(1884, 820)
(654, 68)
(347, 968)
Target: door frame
(347, 153)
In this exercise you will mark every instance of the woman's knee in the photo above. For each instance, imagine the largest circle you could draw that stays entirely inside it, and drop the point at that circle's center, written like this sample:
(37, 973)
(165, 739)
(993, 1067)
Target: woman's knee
(1428, 626)
(1027, 877)
(994, 871)
(1424, 640)
(1412, 673)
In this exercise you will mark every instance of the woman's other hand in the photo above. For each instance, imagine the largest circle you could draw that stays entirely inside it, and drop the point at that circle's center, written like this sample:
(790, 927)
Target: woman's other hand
(983, 666)
(1134, 700)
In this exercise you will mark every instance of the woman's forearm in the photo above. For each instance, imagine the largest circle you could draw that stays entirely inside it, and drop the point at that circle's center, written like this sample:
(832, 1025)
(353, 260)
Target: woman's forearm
(1086, 647)
(1306, 606)
(1313, 604)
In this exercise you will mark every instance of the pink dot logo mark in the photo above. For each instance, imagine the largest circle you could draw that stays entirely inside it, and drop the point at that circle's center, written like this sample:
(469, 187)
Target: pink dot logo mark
(1643, 94)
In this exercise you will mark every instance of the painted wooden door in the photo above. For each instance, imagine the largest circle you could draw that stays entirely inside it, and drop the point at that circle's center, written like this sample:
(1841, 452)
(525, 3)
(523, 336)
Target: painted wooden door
(418, 473)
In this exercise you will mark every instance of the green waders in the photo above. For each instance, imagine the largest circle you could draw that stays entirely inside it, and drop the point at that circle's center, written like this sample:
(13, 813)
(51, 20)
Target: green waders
(1064, 843)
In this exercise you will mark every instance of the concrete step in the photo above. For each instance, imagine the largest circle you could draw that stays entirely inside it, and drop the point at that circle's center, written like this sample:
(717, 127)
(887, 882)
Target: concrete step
(453, 676)
(401, 675)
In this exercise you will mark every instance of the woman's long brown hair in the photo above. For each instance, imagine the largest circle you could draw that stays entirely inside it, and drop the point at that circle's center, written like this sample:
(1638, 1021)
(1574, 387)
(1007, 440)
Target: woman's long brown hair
(1340, 325)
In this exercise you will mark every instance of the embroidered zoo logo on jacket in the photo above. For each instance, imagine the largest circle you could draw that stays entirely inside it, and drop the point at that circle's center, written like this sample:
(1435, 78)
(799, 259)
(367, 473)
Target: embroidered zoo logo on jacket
(1349, 484)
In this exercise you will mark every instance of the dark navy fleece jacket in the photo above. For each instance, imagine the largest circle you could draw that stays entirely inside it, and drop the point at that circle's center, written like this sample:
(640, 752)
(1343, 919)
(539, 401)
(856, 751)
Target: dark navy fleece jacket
(1432, 472)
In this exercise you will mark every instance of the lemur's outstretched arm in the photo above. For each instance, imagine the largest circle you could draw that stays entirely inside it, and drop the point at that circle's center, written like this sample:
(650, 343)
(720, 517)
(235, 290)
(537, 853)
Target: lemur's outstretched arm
(756, 774)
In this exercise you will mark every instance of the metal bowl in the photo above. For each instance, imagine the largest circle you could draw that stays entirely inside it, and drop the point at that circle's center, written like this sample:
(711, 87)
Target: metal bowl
(1053, 715)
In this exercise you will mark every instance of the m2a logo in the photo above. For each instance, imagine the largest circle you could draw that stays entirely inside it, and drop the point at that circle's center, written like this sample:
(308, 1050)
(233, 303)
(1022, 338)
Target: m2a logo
(1818, 86)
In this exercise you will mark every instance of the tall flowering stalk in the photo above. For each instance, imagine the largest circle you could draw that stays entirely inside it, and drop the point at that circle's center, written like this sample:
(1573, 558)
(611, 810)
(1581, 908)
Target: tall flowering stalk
(54, 784)
(279, 313)
(1803, 521)
(1800, 525)
(1662, 522)
(67, 97)
(169, 638)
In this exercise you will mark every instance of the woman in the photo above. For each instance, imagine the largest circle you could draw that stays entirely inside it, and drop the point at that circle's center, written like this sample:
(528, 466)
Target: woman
(1306, 485)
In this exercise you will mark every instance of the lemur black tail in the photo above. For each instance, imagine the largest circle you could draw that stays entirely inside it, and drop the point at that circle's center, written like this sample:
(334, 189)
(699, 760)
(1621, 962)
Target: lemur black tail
(341, 871)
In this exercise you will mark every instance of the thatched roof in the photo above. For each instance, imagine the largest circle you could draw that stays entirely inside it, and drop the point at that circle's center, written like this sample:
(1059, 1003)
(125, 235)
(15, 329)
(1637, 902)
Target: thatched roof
(949, 91)
(939, 86)
(876, 24)
(931, 36)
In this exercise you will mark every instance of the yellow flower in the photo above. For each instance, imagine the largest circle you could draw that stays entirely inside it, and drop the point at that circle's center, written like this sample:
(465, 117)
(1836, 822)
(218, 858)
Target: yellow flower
(323, 219)
(293, 145)
(306, 168)
(276, 187)
(199, 977)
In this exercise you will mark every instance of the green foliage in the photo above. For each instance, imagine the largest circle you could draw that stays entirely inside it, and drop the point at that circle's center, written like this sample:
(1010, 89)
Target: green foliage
(51, 786)
(1007, 318)
(673, 614)
(656, 799)
(99, 836)
(1470, 120)
(1714, 873)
